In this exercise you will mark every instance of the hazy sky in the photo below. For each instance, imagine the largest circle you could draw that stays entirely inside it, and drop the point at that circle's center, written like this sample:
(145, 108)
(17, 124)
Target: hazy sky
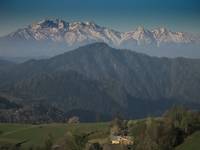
(122, 15)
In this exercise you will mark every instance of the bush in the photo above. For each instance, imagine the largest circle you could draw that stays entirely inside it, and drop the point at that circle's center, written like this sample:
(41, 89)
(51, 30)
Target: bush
(94, 146)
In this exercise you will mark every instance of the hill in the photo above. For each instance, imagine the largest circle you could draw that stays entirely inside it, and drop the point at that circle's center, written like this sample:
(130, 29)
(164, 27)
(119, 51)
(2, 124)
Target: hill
(191, 143)
(103, 82)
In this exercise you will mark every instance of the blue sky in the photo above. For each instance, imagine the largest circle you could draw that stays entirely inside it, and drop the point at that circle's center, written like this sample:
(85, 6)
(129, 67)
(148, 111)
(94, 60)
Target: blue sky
(122, 15)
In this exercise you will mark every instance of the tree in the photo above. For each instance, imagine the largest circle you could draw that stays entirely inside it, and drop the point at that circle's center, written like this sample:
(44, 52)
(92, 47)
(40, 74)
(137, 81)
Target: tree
(185, 120)
(176, 114)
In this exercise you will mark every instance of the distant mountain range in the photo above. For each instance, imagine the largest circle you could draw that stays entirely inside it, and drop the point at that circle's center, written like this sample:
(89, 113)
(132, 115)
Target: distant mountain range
(99, 82)
(51, 37)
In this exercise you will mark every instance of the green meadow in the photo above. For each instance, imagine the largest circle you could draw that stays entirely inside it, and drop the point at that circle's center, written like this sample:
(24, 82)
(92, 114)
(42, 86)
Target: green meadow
(191, 143)
(35, 135)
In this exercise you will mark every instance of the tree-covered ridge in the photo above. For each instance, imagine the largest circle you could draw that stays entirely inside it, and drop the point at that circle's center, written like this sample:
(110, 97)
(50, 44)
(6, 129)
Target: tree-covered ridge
(102, 81)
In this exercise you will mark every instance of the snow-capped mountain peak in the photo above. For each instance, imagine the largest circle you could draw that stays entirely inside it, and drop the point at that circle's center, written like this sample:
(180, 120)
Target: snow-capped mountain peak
(165, 36)
(80, 33)
(55, 36)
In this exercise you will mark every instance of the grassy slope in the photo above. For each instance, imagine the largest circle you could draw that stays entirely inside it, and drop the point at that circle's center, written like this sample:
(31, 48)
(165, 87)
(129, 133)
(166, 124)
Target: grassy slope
(36, 134)
(191, 143)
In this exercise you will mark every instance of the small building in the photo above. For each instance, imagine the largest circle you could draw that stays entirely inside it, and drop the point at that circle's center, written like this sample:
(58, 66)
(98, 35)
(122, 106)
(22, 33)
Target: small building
(124, 140)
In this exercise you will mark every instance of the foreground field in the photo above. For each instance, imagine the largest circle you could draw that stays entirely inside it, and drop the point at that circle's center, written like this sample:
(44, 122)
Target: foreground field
(36, 134)
(167, 132)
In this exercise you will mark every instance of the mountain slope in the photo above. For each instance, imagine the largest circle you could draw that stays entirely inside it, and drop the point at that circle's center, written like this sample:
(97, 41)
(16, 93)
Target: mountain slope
(98, 78)
(52, 37)
(139, 74)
